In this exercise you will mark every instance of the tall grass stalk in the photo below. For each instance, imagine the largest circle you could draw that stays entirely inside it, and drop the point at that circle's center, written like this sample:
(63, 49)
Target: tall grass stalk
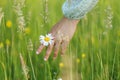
(32, 67)
(4, 70)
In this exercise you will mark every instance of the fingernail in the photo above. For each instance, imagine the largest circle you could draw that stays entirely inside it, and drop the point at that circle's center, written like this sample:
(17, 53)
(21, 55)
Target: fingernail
(37, 52)
(45, 59)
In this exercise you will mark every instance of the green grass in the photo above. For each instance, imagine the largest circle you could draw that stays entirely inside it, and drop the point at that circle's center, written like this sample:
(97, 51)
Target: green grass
(95, 45)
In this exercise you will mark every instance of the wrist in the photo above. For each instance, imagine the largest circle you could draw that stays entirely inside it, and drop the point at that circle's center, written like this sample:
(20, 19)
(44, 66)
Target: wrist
(74, 21)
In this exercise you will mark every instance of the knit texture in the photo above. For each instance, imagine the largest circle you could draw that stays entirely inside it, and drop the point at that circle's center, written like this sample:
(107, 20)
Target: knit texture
(76, 9)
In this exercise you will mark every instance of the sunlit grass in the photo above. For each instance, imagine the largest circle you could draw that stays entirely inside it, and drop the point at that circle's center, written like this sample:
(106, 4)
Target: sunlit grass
(93, 53)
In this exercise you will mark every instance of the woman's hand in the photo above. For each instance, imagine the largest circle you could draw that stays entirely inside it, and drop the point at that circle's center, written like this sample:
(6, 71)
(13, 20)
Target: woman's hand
(63, 32)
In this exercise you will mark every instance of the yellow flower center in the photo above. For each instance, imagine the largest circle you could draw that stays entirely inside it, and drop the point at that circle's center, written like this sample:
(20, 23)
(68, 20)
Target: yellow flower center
(47, 39)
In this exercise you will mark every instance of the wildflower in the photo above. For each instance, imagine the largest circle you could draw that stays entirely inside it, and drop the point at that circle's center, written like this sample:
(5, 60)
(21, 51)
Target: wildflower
(61, 65)
(8, 42)
(83, 55)
(78, 60)
(46, 40)
(27, 30)
(9, 24)
(1, 45)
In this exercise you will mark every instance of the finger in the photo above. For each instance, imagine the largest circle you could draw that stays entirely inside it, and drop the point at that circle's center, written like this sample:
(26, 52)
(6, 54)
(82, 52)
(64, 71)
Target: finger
(56, 49)
(64, 47)
(49, 50)
(40, 49)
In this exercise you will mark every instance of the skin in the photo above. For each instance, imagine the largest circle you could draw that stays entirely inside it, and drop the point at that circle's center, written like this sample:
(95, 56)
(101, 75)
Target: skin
(63, 32)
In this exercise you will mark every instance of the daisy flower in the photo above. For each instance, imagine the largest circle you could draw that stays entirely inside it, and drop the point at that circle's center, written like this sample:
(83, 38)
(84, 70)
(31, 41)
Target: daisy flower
(46, 40)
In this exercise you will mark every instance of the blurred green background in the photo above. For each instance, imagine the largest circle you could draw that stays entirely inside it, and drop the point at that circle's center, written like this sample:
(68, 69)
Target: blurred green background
(93, 53)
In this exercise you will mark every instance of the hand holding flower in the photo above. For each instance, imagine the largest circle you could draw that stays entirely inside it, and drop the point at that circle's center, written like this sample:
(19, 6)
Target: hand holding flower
(63, 32)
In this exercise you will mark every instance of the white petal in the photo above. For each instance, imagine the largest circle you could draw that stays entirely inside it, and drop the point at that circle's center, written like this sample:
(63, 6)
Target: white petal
(49, 35)
(44, 41)
(42, 37)
(41, 41)
(45, 44)
(51, 42)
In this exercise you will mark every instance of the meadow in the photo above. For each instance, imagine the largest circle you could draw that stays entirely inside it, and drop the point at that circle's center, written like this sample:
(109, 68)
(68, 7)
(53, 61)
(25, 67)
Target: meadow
(93, 52)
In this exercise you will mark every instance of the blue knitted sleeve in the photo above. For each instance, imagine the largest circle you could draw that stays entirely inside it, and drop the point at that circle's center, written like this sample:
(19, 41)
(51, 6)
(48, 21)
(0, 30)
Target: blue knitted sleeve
(76, 9)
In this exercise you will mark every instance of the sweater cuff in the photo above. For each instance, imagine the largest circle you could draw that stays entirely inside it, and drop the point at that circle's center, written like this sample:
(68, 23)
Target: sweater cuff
(77, 9)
